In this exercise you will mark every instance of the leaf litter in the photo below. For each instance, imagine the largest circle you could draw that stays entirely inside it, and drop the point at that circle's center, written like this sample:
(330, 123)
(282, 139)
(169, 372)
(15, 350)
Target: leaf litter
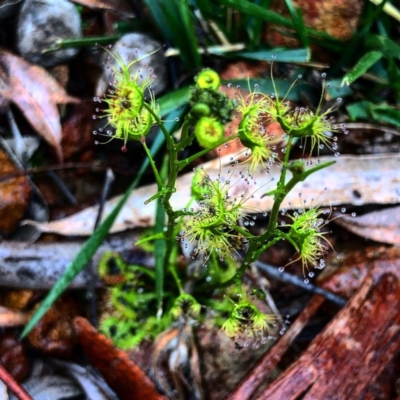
(356, 180)
(36, 93)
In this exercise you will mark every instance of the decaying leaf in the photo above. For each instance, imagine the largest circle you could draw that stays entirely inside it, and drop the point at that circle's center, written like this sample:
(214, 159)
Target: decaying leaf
(382, 226)
(36, 94)
(352, 180)
(120, 7)
(12, 318)
(14, 196)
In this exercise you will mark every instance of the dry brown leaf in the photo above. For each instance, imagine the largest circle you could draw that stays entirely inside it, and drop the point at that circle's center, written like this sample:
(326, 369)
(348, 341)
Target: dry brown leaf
(382, 226)
(12, 318)
(120, 7)
(36, 94)
(14, 196)
(352, 180)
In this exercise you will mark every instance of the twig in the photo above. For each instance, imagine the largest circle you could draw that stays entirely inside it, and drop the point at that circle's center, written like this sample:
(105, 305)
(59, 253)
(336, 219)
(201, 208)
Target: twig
(63, 187)
(285, 277)
(91, 269)
(13, 385)
(30, 171)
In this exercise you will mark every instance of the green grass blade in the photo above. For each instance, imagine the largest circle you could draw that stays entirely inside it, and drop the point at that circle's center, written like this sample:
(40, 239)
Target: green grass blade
(281, 55)
(88, 249)
(363, 65)
(267, 15)
(255, 27)
(383, 44)
(157, 14)
(171, 101)
(188, 34)
(298, 23)
(358, 110)
(160, 245)
(385, 114)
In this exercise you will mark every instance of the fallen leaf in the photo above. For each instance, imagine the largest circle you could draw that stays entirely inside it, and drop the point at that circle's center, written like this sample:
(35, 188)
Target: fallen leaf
(54, 334)
(381, 226)
(353, 180)
(12, 318)
(13, 356)
(121, 373)
(120, 7)
(14, 196)
(36, 94)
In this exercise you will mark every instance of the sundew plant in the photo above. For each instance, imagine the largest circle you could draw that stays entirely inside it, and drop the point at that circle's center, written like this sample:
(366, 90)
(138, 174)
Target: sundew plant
(203, 251)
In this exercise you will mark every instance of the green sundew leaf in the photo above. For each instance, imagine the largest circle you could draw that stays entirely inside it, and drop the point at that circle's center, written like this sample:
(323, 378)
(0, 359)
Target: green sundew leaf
(363, 65)
(159, 235)
(173, 100)
(358, 110)
(298, 22)
(385, 114)
(388, 47)
(88, 249)
(282, 55)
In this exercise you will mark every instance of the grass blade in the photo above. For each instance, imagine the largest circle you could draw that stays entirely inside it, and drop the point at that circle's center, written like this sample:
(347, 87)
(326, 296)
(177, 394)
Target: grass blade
(282, 55)
(298, 23)
(363, 65)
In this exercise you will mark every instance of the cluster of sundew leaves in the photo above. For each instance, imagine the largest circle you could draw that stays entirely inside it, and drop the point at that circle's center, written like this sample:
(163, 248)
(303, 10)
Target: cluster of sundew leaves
(213, 226)
(128, 319)
(257, 110)
(306, 237)
(210, 108)
(247, 326)
(253, 111)
(126, 101)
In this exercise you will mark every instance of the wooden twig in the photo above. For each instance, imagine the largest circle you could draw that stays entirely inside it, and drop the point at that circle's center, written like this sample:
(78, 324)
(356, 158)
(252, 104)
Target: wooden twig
(13, 385)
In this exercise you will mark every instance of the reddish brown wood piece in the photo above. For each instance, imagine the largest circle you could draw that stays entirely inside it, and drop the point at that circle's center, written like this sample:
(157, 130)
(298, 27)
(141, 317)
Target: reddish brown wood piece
(121, 373)
(346, 358)
(364, 324)
(13, 386)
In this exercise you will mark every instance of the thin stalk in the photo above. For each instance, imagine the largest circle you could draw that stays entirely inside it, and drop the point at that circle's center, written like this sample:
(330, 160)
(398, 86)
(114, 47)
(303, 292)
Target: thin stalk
(183, 163)
(153, 165)
(168, 138)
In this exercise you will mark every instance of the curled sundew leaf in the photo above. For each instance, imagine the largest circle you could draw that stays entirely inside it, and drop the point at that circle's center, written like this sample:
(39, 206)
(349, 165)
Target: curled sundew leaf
(352, 180)
(36, 94)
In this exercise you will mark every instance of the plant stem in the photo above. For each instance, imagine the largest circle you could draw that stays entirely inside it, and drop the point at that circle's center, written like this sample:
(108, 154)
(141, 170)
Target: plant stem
(153, 165)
